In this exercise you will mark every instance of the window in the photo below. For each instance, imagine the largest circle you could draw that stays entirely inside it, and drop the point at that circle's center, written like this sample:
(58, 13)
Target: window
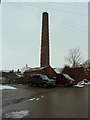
(44, 77)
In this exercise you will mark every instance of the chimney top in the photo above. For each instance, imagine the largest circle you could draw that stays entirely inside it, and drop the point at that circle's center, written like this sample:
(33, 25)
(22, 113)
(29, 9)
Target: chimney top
(45, 13)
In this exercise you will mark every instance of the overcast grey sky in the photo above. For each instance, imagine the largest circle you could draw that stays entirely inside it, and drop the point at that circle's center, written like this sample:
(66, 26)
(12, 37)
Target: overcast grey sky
(21, 32)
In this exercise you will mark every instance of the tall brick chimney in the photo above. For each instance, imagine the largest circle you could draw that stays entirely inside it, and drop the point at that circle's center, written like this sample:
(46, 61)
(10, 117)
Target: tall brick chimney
(44, 60)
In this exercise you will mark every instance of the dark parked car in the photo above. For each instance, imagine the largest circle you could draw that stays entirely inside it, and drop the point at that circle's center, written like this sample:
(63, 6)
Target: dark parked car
(41, 80)
(64, 79)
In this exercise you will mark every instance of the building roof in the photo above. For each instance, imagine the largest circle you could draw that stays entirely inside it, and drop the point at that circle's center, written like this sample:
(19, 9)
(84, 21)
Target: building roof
(8, 75)
(25, 68)
(58, 70)
(36, 69)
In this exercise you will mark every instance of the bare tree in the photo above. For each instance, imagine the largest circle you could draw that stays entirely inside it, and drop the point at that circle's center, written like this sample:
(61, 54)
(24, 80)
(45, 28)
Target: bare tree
(74, 57)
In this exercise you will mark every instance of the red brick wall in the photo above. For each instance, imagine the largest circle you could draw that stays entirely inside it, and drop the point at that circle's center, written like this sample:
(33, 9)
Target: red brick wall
(44, 60)
(77, 73)
(88, 74)
(48, 71)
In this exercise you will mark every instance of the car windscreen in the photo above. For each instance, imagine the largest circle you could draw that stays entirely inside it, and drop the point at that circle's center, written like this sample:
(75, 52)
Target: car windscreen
(67, 76)
(44, 77)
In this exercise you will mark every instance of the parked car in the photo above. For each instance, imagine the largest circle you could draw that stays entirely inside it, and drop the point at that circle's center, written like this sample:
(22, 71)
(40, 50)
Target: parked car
(64, 79)
(41, 80)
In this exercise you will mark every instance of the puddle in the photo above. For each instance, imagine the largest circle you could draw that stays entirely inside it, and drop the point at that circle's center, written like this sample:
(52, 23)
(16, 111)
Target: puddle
(19, 114)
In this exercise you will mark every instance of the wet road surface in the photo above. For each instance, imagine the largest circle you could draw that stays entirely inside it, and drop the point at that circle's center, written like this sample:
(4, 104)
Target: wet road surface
(58, 102)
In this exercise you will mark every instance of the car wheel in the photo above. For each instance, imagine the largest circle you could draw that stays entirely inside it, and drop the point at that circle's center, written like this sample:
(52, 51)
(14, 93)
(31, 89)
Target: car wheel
(66, 84)
(45, 85)
(38, 85)
(30, 84)
(54, 85)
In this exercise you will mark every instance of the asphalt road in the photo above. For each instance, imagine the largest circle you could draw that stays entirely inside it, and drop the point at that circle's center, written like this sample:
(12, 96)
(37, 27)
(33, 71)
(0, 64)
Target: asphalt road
(58, 102)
